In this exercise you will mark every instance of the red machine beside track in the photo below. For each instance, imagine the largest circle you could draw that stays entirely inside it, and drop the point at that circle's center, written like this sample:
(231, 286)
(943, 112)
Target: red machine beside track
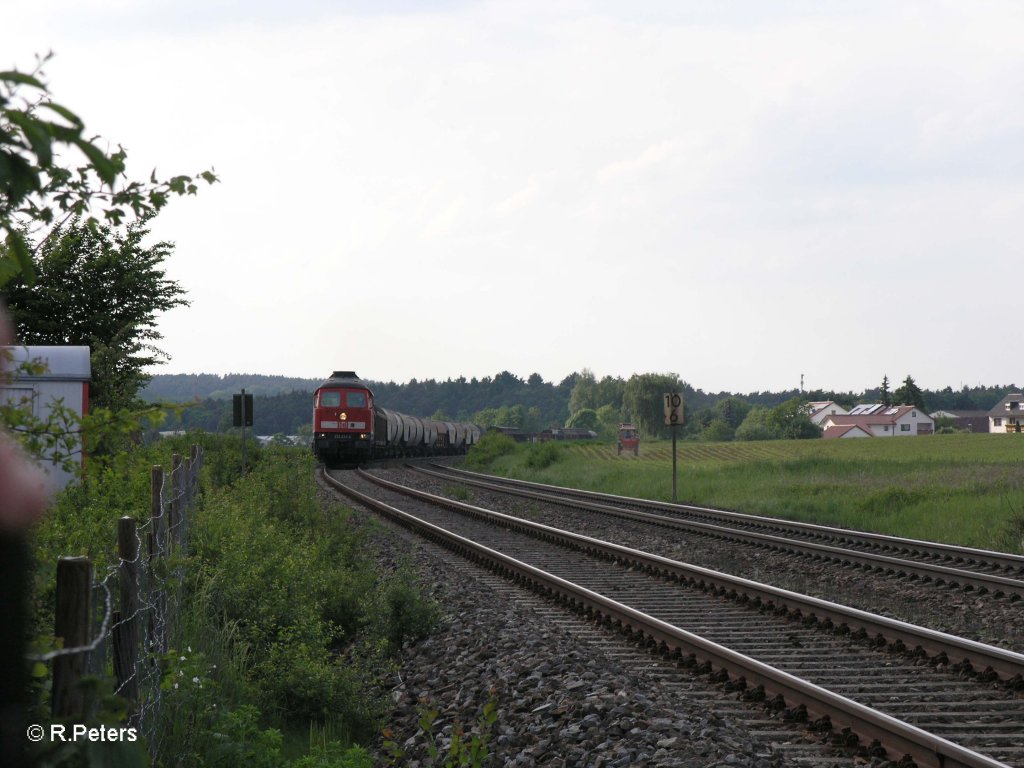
(349, 427)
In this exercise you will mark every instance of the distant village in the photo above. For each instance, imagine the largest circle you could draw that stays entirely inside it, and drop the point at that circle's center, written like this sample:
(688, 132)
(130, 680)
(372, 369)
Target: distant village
(878, 420)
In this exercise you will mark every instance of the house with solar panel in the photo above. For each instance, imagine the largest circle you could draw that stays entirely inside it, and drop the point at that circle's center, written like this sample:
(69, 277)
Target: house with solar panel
(878, 420)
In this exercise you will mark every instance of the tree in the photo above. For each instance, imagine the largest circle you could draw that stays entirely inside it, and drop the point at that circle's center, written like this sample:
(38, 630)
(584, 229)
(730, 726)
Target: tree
(787, 421)
(584, 392)
(732, 410)
(909, 393)
(585, 418)
(791, 421)
(609, 417)
(756, 425)
(39, 192)
(884, 389)
(718, 431)
(642, 398)
(101, 289)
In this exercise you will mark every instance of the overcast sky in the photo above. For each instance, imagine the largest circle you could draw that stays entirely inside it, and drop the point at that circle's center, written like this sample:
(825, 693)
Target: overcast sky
(737, 192)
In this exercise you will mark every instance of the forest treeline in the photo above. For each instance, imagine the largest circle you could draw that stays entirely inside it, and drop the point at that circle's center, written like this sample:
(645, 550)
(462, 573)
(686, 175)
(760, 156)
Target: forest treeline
(283, 404)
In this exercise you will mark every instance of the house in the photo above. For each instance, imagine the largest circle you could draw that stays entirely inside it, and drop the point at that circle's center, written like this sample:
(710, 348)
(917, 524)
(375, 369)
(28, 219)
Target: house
(1007, 415)
(882, 421)
(966, 421)
(844, 431)
(821, 410)
(65, 381)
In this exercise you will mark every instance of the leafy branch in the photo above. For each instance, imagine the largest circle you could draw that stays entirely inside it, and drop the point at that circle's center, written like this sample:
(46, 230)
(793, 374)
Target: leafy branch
(40, 191)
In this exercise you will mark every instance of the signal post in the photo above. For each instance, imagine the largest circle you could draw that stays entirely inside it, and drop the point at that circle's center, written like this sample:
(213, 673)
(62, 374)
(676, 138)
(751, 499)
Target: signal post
(241, 413)
(673, 418)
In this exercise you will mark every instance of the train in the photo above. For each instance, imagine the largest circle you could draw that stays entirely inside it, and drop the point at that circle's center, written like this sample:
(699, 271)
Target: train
(350, 428)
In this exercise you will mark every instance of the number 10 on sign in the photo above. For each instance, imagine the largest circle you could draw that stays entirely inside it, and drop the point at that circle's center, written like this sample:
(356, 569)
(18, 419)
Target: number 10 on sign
(673, 409)
(673, 418)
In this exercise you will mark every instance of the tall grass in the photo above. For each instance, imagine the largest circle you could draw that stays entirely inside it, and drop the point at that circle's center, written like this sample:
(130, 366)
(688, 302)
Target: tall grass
(962, 489)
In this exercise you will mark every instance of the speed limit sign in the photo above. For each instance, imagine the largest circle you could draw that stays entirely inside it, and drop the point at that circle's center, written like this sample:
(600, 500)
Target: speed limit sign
(673, 409)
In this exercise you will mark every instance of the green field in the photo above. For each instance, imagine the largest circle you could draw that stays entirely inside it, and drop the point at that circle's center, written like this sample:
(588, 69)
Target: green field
(963, 489)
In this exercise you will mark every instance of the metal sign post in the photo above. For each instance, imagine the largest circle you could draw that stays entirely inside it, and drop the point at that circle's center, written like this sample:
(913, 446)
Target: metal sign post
(241, 411)
(673, 418)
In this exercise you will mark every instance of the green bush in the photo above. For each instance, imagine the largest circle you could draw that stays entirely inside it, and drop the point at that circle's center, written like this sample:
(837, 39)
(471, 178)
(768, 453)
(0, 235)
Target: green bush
(543, 455)
(402, 612)
(284, 620)
(491, 446)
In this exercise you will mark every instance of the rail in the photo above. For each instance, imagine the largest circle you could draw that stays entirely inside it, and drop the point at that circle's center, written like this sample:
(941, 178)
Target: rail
(893, 735)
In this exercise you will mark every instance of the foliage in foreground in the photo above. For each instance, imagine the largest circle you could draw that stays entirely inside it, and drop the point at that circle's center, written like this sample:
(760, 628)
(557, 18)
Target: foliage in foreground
(286, 623)
(40, 189)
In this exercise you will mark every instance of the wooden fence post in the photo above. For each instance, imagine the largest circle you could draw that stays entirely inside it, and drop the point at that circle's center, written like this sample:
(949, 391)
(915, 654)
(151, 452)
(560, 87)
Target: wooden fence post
(156, 510)
(157, 547)
(126, 643)
(72, 620)
(174, 523)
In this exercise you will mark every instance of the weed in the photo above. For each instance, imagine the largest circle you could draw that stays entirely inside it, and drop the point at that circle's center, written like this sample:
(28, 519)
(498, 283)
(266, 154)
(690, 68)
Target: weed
(461, 751)
(458, 492)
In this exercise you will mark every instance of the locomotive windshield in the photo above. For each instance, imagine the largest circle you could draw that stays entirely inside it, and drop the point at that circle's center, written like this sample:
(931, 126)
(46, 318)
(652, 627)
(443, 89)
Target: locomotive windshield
(332, 399)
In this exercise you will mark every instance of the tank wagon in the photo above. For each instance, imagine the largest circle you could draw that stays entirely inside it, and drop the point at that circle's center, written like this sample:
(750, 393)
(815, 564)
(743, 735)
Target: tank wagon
(349, 427)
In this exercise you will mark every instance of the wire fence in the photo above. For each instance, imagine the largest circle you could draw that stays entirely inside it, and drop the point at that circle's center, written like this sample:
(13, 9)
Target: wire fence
(121, 623)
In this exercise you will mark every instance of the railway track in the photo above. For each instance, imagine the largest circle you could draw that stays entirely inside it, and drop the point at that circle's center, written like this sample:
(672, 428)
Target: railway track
(841, 670)
(981, 571)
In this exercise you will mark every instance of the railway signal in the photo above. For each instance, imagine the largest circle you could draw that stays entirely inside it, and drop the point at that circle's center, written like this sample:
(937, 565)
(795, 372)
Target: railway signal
(241, 412)
(673, 418)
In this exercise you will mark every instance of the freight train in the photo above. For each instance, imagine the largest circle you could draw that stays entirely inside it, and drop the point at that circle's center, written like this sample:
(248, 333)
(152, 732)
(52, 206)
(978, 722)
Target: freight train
(349, 427)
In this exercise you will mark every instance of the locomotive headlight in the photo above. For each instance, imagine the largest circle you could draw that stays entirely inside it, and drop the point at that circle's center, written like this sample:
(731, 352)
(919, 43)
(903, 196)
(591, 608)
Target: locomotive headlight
(344, 416)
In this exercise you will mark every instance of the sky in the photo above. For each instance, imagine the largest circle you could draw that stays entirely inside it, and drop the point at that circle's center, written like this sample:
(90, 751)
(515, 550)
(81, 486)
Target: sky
(740, 192)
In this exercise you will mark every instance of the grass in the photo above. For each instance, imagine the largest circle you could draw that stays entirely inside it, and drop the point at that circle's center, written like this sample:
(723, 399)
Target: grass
(962, 489)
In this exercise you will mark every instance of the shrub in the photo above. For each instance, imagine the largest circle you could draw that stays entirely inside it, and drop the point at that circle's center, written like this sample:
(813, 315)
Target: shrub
(543, 455)
(402, 612)
(491, 446)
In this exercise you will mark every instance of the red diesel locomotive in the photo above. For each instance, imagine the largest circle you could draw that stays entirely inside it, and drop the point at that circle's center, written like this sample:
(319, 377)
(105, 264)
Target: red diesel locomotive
(348, 427)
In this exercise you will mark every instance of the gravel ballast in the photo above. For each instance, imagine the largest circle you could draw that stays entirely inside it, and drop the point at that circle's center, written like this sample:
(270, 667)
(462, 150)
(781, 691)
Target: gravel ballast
(565, 693)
